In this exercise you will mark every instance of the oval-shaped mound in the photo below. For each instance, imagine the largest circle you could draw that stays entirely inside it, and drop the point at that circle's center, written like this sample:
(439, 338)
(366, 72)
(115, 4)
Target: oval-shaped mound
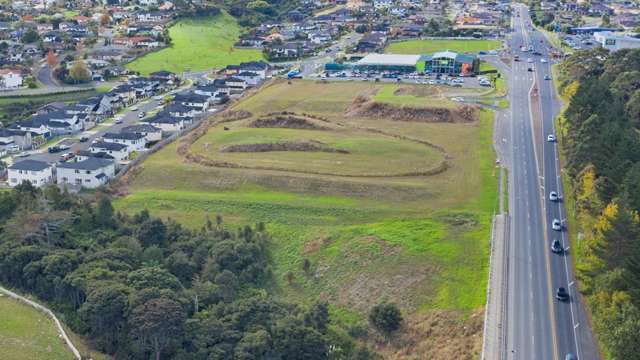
(359, 153)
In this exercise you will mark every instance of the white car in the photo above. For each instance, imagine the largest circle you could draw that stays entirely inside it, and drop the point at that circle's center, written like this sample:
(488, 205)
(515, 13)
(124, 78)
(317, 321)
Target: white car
(529, 60)
(553, 196)
(159, 97)
(556, 225)
(543, 60)
(135, 108)
(551, 138)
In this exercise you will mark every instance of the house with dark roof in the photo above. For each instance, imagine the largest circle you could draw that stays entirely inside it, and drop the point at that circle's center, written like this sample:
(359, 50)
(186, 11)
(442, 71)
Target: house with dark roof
(150, 132)
(120, 152)
(167, 122)
(192, 99)
(38, 173)
(136, 142)
(14, 139)
(89, 173)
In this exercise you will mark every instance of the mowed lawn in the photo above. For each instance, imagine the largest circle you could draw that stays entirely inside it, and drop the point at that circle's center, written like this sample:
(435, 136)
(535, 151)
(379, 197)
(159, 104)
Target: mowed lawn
(421, 241)
(198, 44)
(430, 46)
(26, 333)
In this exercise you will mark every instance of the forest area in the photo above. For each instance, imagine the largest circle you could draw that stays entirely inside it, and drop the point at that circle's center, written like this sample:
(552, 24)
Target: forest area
(601, 144)
(139, 287)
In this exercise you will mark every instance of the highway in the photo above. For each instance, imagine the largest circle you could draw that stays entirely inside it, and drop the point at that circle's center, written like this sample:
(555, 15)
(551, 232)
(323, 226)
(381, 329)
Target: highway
(537, 325)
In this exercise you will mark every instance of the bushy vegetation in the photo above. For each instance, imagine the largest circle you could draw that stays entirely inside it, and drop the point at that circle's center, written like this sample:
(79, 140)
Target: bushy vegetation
(256, 12)
(140, 287)
(602, 147)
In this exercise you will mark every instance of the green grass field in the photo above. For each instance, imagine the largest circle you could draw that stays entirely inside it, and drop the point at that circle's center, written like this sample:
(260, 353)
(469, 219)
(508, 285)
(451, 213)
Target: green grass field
(429, 46)
(420, 241)
(26, 333)
(198, 44)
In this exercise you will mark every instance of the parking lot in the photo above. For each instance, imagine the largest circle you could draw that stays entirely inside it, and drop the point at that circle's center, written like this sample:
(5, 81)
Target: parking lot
(410, 78)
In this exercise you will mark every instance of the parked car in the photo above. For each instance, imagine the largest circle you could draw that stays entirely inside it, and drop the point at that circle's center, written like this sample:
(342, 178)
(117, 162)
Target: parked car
(141, 114)
(66, 157)
(53, 149)
(84, 139)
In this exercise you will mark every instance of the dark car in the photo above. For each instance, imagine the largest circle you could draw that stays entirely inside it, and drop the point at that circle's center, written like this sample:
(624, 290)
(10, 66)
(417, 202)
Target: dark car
(556, 247)
(530, 69)
(53, 149)
(570, 357)
(84, 139)
(561, 294)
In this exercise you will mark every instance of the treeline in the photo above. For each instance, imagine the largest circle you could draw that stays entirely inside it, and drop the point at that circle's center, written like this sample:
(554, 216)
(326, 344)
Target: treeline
(139, 287)
(602, 147)
(252, 13)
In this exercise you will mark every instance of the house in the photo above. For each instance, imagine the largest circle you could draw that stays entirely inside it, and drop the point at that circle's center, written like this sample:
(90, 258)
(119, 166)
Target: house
(372, 42)
(163, 76)
(150, 132)
(136, 142)
(85, 154)
(88, 173)
(200, 102)
(166, 122)
(259, 67)
(287, 50)
(38, 173)
(14, 139)
(236, 83)
(249, 78)
(10, 78)
(181, 111)
(119, 152)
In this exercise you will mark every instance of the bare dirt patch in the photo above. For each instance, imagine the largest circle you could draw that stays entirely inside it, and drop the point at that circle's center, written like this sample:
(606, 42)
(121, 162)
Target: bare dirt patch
(310, 146)
(418, 91)
(436, 335)
(363, 107)
(287, 121)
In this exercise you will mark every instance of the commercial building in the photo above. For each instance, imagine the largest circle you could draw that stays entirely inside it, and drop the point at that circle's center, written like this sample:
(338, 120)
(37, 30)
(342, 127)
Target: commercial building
(450, 63)
(613, 42)
(444, 62)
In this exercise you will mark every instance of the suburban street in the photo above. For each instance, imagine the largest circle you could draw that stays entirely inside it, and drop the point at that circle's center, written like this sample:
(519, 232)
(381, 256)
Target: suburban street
(538, 326)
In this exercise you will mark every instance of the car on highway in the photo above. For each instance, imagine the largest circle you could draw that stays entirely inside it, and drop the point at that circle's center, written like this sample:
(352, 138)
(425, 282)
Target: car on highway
(556, 225)
(530, 69)
(135, 108)
(570, 356)
(119, 121)
(556, 248)
(529, 60)
(561, 294)
(543, 60)
(553, 196)
(141, 114)
(551, 138)
(159, 97)
(547, 77)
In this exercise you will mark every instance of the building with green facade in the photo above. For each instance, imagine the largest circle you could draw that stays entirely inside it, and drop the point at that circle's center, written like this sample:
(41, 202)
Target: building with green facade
(444, 62)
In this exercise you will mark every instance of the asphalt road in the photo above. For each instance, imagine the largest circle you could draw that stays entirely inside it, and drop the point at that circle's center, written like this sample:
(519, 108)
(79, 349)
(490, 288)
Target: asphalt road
(538, 325)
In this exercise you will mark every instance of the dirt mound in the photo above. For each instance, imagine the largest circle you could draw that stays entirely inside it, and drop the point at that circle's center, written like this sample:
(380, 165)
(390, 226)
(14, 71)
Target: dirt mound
(286, 121)
(418, 91)
(311, 146)
(233, 115)
(361, 107)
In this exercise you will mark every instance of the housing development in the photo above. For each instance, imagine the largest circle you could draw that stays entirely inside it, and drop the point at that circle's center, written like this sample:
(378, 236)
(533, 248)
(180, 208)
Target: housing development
(319, 179)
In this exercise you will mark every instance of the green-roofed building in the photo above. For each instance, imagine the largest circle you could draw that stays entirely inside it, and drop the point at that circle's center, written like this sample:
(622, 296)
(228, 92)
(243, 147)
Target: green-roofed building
(448, 62)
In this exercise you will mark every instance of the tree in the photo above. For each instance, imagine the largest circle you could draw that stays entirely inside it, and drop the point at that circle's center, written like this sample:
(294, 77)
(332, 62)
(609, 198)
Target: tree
(157, 324)
(386, 318)
(318, 317)
(105, 313)
(79, 72)
(293, 340)
(104, 212)
(153, 277)
(152, 232)
(52, 59)
(30, 36)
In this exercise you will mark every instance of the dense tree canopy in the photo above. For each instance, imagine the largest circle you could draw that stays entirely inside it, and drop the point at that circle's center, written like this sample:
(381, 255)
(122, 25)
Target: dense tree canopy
(140, 287)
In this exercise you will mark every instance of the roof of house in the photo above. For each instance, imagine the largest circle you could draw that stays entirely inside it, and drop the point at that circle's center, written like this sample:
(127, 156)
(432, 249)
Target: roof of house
(141, 128)
(164, 118)
(30, 165)
(108, 146)
(100, 154)
(123, 136)
(91, 163)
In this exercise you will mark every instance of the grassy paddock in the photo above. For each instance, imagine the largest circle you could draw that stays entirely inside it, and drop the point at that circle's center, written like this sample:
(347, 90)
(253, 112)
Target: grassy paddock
(429, 46)
(422, 241)
(26, 333)
(198, 44)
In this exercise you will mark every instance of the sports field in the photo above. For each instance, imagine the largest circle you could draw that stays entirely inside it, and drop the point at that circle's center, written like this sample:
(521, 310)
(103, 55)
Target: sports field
(198, 44)
(430, 46)
(371, 222)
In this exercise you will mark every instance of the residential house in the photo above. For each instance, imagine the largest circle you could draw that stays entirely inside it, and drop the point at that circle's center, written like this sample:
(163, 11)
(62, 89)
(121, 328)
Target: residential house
(38, 173)
(88, 173)
(166, 122)
(10, 78)
(191, 99)
(119, 152)
(136, 142)
(151, 133)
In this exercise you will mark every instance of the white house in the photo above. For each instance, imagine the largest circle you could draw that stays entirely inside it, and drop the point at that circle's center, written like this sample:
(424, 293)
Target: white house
(119, 152)
(167, 123)
(90, 173)
(38, 173)
(10, 78)
(136, 142)
(151, 133)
